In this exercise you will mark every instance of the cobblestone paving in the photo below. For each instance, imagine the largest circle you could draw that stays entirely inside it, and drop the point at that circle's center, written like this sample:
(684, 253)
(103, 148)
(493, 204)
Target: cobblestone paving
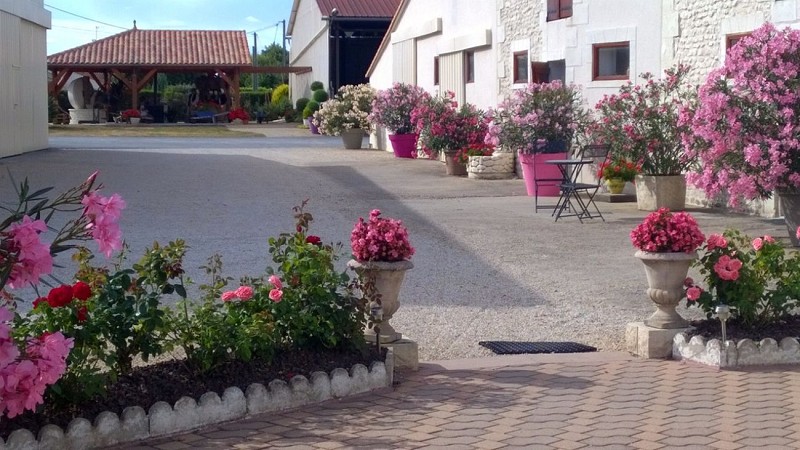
(547, 401)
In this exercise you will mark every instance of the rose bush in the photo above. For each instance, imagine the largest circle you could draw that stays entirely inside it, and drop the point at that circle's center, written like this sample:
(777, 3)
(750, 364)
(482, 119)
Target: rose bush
(754, 277)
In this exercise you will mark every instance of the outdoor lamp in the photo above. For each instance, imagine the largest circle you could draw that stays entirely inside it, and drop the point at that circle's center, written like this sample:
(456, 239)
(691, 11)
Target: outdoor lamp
(723, 314)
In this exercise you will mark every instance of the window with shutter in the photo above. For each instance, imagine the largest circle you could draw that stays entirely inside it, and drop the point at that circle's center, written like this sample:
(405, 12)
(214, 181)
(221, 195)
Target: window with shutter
(558, 9)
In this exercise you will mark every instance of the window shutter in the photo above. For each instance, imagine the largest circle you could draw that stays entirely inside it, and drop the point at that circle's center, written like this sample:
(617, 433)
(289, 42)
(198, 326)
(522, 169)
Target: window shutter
(566, 9)
(540, 72)
(552, 9)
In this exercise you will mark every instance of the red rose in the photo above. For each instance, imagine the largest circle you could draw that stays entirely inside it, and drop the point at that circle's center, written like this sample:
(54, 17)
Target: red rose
(81, 314)
(311, 239)
(81, 291)
(39, 300)
(60, 296)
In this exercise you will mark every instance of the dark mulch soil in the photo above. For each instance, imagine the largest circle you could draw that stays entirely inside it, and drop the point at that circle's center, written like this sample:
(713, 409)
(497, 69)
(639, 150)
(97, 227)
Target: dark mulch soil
(171, 380)
(712, 329)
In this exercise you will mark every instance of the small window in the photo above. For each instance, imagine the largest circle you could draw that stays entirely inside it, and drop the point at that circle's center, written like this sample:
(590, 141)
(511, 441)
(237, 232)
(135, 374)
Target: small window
(521, 67)
(611, 61)
(558, 9)
(469, 67)
(435, 70)
(733, 39)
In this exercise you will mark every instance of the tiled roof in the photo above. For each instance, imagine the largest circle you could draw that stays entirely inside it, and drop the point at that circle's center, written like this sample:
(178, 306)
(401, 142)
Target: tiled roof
(359, 8)
(160, 48)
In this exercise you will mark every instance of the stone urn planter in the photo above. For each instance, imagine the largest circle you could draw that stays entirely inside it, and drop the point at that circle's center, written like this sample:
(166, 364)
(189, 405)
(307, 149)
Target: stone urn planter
(353, 138)
(388, 278)
(665, 275)
(498, 166)
(660, 191)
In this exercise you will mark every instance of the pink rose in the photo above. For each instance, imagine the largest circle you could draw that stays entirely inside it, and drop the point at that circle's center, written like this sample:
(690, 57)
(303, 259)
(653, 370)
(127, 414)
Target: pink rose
(228, 296)
(244, 292)
(275, 295)
(716, 241)
(728, 268)
(757, 244)
(769, 239)
(693, 293)
(275, 281)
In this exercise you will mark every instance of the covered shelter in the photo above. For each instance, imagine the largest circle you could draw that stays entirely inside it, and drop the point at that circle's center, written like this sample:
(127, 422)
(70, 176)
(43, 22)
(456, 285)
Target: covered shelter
(135, 56)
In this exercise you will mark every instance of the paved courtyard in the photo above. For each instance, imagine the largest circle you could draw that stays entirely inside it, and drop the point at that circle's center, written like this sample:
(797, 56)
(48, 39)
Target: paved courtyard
(487, 268)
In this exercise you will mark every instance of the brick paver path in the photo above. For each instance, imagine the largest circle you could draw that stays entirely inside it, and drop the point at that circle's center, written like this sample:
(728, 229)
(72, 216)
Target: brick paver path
(553, 401)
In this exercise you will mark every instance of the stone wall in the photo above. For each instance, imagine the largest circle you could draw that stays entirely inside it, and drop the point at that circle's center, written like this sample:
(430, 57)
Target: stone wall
(516, 21)
(703, 25)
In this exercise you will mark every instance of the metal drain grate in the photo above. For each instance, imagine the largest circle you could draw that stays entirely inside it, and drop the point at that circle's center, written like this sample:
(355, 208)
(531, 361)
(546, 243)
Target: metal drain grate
(516, 348)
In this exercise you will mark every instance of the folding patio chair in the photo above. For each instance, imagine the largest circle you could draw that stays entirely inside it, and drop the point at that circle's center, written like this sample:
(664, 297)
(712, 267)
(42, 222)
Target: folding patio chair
(576, 189)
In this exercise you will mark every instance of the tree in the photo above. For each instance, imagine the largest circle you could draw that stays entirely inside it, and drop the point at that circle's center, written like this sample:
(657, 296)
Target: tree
(272, 55)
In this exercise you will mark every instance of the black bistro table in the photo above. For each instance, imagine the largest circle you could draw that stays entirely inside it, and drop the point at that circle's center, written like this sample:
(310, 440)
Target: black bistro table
(570, 199)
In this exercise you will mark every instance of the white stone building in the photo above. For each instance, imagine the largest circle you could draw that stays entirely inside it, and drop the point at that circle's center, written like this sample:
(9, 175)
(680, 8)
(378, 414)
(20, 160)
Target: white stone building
(23, 76)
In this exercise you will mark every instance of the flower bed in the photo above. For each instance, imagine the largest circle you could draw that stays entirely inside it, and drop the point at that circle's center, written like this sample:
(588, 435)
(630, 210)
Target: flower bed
(183, 413)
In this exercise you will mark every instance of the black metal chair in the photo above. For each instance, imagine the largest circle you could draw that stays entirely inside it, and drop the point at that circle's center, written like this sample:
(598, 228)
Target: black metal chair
(582, 192)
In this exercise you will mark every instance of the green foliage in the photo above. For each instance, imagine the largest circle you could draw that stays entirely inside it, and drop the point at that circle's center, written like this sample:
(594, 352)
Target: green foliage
(754, 277)
(280, 94)
(301, 103)
(317, 309)
(319, 95)
(317, 85)
(311, 107)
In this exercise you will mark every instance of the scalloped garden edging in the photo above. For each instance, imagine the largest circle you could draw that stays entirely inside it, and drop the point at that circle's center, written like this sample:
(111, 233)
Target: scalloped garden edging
(735, 354)
(187, 414)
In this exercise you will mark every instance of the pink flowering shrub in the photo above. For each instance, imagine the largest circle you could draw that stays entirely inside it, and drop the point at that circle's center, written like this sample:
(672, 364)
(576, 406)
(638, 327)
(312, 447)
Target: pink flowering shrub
(540, 113)
(25, 257)
(745, 128)
(641, 123)
(443, 126)
(754, 277)
(27, 370)
(380, 239)
(392, 107)
(664, 231)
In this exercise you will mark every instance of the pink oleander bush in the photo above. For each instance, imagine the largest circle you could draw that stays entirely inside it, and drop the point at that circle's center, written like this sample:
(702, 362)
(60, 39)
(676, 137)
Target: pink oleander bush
(530, 118)
(443, 126)
(745, 126)
(641, 123)
(664, 231)
(380, 239)
(755, 277)
(392, 107)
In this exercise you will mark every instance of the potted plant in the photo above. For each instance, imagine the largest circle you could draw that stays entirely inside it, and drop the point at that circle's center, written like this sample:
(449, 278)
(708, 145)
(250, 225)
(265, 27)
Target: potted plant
(131, 115)
(745, 126)
(667, 244)
(485, 163)
(641, 123)
(540, 122)
(444, 128)
(392, 109)
(238, 114)
(346, 115)
(616, 173)
(308, 112)
(381, 257)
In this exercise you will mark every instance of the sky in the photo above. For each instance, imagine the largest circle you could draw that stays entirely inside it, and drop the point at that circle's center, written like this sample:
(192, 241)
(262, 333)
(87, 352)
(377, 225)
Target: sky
(103, 18)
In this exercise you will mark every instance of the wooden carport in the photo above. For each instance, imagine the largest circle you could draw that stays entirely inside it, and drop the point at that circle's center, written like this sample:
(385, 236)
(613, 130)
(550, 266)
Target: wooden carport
(135, 57)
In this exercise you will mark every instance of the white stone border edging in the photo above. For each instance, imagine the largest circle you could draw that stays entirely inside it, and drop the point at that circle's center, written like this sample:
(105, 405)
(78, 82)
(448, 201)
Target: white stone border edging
(188, 414)
(742, 353)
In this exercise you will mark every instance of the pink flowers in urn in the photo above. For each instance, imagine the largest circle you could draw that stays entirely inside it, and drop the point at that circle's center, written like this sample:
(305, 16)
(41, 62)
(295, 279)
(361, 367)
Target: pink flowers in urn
(380, 239)
(664, 231)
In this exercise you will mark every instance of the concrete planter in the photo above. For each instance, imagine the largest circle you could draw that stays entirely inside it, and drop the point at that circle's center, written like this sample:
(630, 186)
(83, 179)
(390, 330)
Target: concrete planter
(388, 278)
(498, 166)
(660, 191)
(188, 414)
(353, 138)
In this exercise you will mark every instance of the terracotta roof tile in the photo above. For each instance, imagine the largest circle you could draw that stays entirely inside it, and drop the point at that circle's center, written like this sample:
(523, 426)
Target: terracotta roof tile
(359, 8)
(160, 48)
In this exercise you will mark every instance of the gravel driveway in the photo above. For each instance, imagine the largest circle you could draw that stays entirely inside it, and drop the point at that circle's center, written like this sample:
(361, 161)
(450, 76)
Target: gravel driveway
(487, 267)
